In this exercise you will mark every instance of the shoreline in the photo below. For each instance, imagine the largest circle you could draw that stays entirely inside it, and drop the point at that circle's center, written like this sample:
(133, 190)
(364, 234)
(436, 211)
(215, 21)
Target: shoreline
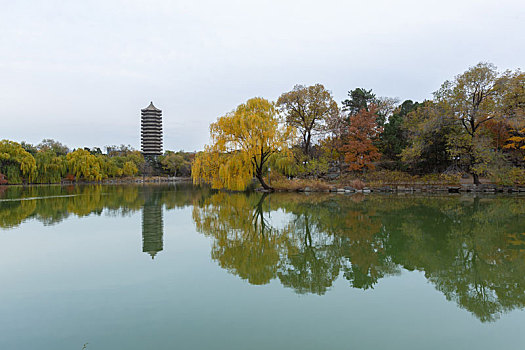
(409, 189)
(403, 188)
(124, 181)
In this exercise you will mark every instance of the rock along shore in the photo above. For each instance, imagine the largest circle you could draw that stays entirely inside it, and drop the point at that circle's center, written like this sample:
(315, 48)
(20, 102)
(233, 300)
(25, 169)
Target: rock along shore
(463, 188)
(124, 181)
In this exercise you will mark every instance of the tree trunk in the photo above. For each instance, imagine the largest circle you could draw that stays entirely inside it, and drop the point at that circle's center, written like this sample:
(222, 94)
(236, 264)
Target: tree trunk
(307, 144)
(259, 177)
(476, 179)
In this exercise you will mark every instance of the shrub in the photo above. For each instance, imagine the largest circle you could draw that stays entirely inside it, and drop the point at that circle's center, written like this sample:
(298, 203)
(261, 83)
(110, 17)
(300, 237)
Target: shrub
(387, 177)
(281, 183)
(357, 184)
(509, 176)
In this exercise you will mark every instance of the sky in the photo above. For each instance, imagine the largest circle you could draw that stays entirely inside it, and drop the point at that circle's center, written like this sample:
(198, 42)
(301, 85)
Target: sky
(80, 71)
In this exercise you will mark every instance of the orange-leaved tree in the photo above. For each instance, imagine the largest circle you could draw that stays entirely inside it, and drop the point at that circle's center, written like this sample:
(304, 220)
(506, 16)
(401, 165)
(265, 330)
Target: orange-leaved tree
(517, 142)
(359, 149)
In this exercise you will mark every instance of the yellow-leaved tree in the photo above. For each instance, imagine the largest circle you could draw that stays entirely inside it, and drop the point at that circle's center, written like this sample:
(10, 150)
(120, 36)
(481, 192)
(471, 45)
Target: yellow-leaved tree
(15, 162)
(242, 143)
(517, 142)
(83, 164)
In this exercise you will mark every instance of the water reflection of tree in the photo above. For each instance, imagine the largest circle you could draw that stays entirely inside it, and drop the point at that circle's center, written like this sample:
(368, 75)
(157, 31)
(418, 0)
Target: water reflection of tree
(472, 250)
(312, 260)
(244, 243)
(307, 254)
(14, 213)
(53, 204)
(465, 251)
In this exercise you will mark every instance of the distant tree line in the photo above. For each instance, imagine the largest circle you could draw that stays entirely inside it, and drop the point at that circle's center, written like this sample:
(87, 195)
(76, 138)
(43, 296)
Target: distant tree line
(474, 126)
(52, 162)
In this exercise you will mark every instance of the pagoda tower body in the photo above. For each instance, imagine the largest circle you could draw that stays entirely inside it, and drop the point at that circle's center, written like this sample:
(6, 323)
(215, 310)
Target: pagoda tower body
(151, 131)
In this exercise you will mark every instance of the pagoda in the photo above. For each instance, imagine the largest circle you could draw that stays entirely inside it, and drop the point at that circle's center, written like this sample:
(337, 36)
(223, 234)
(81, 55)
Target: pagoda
(151, 131)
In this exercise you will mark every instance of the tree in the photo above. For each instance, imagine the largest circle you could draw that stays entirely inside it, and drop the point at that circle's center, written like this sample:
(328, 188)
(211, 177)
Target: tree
(472, 99)
(359, 99)
(393, 139)
(243, 142)
(83, 164)
(15, 162)
(336, 129)
(121, 150)
(94, 151)
(54, 146)
(466, 125)
(307, 108)
(50, 167)
(51, 163)
(121, 161)
(517, 142)
(499, 132)
(427, 129)
(136, 157)
(511, 97)
(175, 164)
(108, 167)
(512, 106)
(31, 149)
(359, 148)
(129, 169)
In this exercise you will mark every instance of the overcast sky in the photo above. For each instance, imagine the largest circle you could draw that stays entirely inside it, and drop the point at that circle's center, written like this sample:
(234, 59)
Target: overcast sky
(80, 71)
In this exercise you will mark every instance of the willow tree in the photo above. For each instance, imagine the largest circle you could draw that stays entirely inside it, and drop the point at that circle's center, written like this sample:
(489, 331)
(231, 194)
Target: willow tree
(83, 164)
(15, 162)
(50, 167)
(242, 143)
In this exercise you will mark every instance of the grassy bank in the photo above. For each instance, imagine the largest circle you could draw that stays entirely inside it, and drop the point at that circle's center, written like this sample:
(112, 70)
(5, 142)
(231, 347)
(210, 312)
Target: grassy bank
(392, 181)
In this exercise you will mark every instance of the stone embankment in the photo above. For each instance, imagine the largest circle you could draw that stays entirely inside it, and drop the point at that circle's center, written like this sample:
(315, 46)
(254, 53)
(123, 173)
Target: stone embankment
(464, 188)
(139, 180)
(124, 181)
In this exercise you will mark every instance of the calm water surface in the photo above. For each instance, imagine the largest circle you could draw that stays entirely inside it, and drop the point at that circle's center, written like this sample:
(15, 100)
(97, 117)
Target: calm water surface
(176, 267)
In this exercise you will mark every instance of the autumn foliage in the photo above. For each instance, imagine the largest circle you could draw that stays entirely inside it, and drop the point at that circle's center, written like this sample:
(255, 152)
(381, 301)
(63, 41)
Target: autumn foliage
(51, 162)
(358, 148)
(3, 181)
(517, 142)
(474, 124)
(243, 143)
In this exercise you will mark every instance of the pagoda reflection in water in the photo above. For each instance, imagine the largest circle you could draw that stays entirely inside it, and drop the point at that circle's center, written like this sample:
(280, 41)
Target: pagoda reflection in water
(152, 223)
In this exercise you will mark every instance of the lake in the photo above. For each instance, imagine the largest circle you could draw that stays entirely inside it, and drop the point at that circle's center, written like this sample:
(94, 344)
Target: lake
(182, 267)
